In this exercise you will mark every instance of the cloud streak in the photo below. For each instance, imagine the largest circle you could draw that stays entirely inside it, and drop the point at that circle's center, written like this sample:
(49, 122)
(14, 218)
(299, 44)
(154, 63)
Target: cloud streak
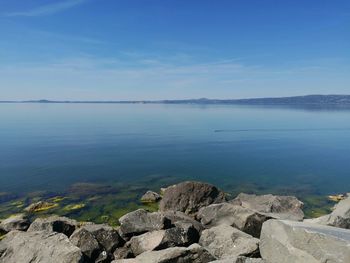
(86, 77)
(47, 9)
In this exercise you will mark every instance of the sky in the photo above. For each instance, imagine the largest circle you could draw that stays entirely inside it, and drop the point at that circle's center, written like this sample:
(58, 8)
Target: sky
(173, 49)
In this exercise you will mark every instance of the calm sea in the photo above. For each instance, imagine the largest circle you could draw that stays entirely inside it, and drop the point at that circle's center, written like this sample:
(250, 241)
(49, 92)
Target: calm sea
(265, 149)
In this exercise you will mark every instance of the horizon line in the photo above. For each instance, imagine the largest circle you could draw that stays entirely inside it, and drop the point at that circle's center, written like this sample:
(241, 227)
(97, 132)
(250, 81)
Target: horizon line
(203, 99)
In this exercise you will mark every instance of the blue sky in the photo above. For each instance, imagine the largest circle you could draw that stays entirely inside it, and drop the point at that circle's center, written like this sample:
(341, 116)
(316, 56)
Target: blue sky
(171, 49)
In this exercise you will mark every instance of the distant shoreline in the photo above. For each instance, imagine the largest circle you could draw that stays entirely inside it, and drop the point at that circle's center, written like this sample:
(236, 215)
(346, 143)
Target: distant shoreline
(296, 100)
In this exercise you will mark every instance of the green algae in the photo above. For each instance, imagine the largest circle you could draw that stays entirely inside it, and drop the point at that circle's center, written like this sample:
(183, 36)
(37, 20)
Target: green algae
(45, 207)
(57, 199)
(315, 206)
(106, 204)
(2, 236)
(74, 207)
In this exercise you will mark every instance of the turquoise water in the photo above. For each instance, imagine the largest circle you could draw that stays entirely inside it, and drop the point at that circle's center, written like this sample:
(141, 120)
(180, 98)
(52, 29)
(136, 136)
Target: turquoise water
(250, 148)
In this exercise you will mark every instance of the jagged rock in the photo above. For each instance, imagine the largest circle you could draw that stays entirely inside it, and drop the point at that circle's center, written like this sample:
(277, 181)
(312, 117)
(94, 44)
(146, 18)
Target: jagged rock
(246, 220)
(123, 253)
(279, 207)
(141, 221)
(108, 238)
(340, 217)
(183, 234)
(88, 244)
(189, 197)
(239, 260)
(193, 254)
(40, 206)
(177, 216)
(54, 224)
(225, 241)
(15, 222)
(38, 247)
(150, 197)
(296, 242)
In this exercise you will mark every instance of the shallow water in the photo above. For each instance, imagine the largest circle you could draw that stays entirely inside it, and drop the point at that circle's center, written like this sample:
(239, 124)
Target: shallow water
(50, 147)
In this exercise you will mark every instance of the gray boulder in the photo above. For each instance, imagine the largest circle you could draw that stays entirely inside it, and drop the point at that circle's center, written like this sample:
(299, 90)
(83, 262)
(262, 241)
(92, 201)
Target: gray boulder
(189, 197)
(108, 238)
(180, 217)
(150, 197)
(123, 253)
(246, 220)
(54, 223)
(141, 221)
(285, 241)
(15, 222)
(279, 207)
(38, 247)
(340, 217)
(226, 242)
(88, 244)
(183, 234)
(239, 260)
(193, 254)
(146, 242)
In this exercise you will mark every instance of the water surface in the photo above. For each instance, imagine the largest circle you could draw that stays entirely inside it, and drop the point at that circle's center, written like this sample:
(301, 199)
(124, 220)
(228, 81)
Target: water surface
(50, 147)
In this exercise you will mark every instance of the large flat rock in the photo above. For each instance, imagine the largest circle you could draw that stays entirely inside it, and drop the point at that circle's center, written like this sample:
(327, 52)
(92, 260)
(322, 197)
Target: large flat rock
(276, 206)
(245, 219)
(192, 254)
(285, 241)
(141, 221)
(38, 247)
(226, 242)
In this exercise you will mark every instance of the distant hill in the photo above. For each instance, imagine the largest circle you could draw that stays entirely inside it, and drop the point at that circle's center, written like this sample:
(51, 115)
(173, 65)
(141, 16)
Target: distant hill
(297, 100)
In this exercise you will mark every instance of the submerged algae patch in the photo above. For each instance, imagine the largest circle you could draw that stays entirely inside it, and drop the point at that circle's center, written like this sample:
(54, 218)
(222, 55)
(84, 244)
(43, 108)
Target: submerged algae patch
(316, 206)
(74, 207)
(57, 199)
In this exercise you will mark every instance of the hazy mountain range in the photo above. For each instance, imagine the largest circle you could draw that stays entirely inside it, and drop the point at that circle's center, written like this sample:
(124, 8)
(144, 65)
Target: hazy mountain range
(296, 100)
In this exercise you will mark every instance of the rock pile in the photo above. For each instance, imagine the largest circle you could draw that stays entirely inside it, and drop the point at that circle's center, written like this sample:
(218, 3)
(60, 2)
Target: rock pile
(195, 223)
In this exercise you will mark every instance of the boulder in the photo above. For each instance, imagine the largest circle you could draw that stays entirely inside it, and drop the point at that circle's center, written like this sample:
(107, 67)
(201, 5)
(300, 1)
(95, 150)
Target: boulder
(193, 254)
(189, 197)
(38, 247)
(146, 242)
(239, 260)
(244, 219)
(285, 241)
(177, 216)
(15, 222)
(108, 237)
(225, 241)
(123, 253)
(150, 197)
(279, 207)
(54, 223)
(88, 244)
(340, 217)
(141, 221)
(183, 234)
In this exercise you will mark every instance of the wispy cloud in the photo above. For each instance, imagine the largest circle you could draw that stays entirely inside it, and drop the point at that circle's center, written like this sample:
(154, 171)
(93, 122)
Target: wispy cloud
(48, 9)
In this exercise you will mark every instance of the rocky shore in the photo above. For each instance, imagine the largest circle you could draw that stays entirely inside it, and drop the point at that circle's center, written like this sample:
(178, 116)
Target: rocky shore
(195, 223)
